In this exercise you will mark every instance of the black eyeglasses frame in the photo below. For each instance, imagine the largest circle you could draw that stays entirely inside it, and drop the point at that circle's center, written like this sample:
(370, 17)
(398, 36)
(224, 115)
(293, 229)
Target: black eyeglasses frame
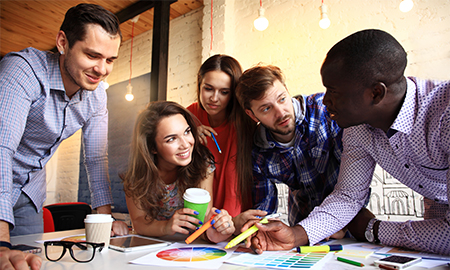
(68, 245)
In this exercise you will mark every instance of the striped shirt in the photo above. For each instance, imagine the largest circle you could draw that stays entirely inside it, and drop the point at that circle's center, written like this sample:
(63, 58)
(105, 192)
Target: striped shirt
(35, 117)
(417, 155)
(309, 167)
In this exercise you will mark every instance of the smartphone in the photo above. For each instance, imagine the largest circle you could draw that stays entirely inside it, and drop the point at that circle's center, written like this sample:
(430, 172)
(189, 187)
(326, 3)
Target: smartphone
(397, 261)
(27, 248)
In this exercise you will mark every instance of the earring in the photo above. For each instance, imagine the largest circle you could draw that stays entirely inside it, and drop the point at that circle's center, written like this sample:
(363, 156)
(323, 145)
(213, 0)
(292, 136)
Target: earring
(61, 52)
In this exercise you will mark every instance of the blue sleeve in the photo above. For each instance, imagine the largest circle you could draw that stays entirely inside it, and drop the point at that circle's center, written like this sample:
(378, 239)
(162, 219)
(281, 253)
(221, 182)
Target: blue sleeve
(16, 82)
(95, 139)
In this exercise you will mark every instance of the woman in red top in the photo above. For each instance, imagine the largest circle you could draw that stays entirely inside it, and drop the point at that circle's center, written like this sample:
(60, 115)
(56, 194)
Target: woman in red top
(217, 109)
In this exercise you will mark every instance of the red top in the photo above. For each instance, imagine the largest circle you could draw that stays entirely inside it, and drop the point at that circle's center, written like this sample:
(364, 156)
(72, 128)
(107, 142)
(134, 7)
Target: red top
(225, 178)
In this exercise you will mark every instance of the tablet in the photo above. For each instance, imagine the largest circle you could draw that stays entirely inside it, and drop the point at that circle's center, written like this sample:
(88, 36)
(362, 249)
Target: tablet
(128, 243)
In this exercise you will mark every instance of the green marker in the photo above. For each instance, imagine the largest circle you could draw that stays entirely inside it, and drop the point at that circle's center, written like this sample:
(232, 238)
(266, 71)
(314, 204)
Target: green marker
(350, 261)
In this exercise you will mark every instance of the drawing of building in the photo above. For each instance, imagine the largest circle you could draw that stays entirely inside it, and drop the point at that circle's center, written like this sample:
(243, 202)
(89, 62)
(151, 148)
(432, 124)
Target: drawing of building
(389, 199)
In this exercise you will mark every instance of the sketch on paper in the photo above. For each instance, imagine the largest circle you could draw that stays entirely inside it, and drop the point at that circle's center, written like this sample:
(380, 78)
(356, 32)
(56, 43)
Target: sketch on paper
(389, 199)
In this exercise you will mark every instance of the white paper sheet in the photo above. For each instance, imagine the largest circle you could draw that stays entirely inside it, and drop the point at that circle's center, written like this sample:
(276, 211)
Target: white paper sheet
(191, 256)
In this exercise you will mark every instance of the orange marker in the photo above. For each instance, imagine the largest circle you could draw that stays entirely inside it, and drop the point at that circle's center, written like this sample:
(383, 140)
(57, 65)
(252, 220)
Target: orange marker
(199, 231)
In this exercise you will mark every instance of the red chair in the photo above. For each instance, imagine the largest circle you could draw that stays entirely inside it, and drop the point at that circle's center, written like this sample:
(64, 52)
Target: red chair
(68, 216)
(49, 226)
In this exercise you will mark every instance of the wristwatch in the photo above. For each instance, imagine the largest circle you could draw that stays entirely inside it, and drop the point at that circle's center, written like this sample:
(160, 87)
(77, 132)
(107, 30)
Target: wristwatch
(370, 236)
(5, 244)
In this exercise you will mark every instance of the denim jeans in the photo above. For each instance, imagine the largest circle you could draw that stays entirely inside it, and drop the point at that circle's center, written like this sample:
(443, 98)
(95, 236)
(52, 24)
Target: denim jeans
(27, 220)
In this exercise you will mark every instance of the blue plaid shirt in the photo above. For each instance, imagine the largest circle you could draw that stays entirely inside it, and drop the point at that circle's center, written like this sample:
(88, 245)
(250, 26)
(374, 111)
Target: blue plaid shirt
(35, 117)
(309, 168)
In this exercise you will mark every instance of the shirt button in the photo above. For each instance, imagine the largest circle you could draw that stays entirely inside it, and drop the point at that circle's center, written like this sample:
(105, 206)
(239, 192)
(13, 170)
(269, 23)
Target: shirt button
(420, 186)
(406, 166)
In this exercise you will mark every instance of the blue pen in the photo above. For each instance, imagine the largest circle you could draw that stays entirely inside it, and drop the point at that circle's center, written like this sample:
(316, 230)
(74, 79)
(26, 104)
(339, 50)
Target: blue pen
(214, 138)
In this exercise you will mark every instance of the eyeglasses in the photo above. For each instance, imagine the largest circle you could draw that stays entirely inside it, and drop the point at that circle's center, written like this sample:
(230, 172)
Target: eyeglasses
(79, 251)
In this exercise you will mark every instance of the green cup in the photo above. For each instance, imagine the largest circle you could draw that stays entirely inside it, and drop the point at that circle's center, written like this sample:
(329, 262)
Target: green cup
(197, 199)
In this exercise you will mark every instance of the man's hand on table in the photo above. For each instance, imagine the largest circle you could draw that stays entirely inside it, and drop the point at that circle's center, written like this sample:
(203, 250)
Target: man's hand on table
(119, 228)
(275, 235)
(15, 259)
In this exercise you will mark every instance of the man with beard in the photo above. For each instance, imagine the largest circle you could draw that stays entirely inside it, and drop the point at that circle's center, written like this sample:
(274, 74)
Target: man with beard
(295, 142)
(45, 98)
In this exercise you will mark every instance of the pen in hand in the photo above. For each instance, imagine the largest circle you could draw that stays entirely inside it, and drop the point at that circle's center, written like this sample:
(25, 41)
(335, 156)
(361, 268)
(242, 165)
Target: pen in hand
(214, 139)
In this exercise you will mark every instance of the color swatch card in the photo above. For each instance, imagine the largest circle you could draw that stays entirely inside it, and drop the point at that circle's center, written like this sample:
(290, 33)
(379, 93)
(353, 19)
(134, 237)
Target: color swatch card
(191, 256)
(283, 260)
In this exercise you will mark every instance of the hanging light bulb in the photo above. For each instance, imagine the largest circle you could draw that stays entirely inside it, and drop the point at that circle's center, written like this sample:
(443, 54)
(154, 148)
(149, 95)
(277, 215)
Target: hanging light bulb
(406, 5)
(324, 22)
(261, 23)
(129, 96)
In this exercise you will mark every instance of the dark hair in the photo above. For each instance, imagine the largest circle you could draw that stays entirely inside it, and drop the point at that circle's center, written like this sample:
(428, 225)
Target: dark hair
(231, 67)
(77, 18)
(142, 182)
(255, 81)
(370, 56)
(252, 86)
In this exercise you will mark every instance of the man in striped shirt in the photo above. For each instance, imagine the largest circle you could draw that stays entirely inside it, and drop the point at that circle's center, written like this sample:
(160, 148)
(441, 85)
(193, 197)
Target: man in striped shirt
(45, 98)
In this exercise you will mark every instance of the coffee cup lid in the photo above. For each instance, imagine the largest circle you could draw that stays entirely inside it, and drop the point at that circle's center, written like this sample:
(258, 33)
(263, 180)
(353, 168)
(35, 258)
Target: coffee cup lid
(197, 195)
(98, 218)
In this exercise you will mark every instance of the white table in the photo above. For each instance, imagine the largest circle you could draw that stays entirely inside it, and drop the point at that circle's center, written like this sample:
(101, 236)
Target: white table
(115, 260)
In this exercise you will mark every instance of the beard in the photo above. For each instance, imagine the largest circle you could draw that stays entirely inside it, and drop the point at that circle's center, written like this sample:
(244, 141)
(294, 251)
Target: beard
(286, 131)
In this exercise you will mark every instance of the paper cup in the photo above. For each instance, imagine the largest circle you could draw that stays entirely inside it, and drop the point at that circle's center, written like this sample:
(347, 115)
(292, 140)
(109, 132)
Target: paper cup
(197, 199)
(98, 228)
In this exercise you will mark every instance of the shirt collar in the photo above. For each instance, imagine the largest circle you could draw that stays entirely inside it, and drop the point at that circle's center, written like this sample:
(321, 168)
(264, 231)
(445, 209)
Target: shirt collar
(56, 82)
(405, 118)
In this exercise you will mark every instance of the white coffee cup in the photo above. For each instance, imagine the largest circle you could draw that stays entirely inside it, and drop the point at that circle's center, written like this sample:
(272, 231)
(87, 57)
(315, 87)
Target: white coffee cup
(98, 228)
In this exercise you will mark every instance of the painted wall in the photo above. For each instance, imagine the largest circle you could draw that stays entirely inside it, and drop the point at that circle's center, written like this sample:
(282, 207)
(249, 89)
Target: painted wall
(295, 42)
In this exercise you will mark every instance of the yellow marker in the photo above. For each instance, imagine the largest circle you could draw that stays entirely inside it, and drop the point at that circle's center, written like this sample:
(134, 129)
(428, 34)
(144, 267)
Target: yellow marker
(325, 248)
(249, 232)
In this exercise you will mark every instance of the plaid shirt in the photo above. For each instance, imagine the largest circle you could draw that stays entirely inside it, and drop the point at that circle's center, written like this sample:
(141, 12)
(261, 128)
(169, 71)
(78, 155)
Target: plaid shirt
(309, 168)
(35, 117)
